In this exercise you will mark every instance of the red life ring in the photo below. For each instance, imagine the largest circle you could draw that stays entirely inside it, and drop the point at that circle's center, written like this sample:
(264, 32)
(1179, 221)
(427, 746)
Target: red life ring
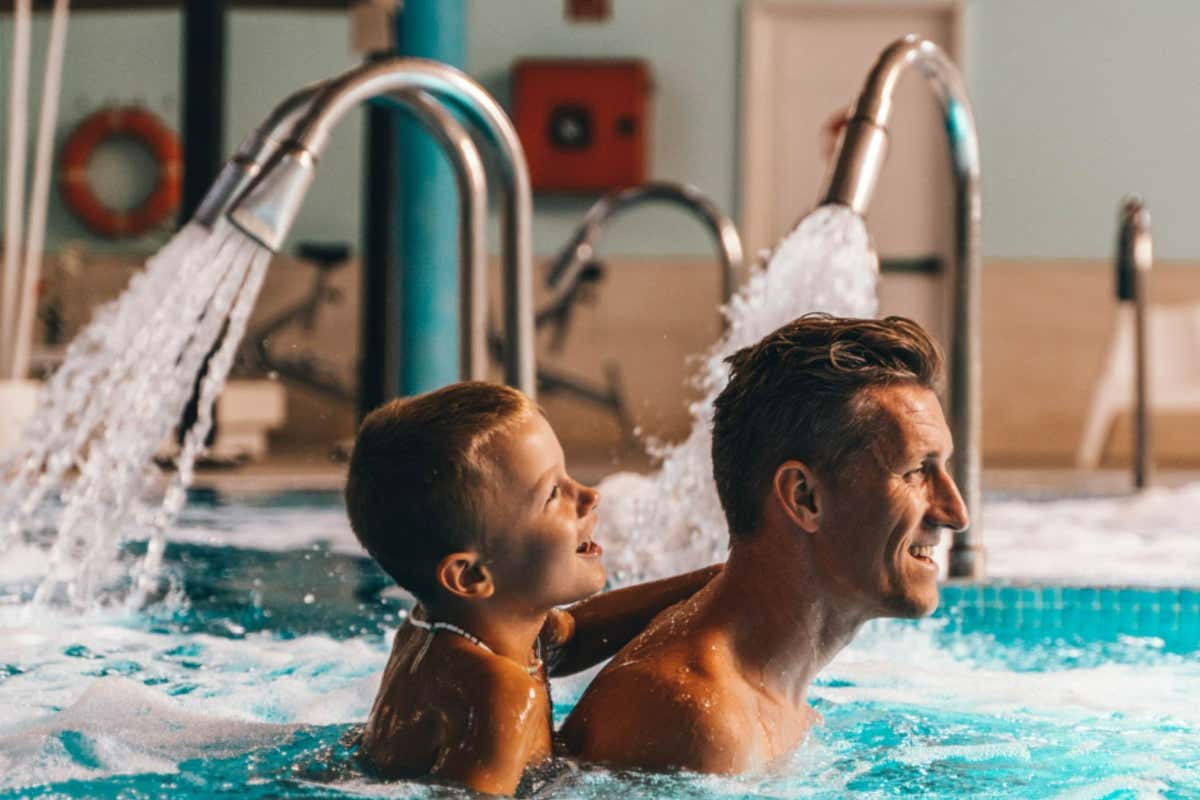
(143, 126)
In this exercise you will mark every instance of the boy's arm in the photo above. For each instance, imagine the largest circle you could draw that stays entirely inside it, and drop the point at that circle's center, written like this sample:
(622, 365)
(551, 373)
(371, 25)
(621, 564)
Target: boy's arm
(497, 743)
(590, 631)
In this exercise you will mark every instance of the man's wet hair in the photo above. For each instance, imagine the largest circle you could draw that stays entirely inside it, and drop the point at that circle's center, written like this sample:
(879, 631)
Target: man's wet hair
(801, 393)
(419, 474)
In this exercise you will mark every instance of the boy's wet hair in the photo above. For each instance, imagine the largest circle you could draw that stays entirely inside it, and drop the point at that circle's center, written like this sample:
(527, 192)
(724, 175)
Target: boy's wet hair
(800, 393)
(418, 475)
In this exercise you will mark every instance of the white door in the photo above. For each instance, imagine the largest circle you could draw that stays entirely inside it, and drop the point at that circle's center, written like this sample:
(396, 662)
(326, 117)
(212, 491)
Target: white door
(802, 61)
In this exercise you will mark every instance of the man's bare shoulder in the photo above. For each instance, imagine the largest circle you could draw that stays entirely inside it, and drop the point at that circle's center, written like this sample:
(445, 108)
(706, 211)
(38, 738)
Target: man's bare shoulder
(620, 719)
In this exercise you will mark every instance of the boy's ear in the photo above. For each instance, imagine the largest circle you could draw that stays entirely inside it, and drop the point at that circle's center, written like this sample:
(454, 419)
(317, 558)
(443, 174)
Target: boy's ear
(465, 576)
(798, 494)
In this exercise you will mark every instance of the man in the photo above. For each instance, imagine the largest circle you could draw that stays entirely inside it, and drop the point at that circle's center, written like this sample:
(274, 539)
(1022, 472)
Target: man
(830, 457)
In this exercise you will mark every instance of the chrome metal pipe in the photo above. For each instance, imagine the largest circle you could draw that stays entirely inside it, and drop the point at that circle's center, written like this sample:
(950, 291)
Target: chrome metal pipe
(861, 154)
(1135, 257)
(252, 153)
(581, 248)
(266, 209)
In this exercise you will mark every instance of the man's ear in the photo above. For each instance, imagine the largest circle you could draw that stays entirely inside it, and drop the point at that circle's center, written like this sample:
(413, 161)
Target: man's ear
(465, 576)
(798, 495)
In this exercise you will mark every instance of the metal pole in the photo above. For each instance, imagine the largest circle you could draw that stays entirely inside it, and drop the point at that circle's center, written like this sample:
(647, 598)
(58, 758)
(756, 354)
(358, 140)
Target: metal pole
(1135, 257)
(425, 323)
(203, 100)
(376, 368)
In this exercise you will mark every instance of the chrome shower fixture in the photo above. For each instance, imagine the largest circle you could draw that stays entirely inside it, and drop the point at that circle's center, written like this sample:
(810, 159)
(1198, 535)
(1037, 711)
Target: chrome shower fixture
(268, 205)
(252, 154)
(862, 151)
(580, 249)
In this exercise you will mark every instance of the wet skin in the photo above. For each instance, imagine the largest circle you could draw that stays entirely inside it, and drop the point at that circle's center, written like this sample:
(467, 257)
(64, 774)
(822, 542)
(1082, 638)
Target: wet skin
(460, 714)
(719, 682)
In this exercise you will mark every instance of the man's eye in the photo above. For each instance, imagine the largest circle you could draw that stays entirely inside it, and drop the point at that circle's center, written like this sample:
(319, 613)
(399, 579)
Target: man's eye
(553, 493)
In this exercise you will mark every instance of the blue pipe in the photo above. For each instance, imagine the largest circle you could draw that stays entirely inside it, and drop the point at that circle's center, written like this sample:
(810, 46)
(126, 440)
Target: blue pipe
(425, 321)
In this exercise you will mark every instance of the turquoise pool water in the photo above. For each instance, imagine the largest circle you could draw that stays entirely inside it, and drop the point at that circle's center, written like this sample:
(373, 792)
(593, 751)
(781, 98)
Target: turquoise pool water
(246, 677)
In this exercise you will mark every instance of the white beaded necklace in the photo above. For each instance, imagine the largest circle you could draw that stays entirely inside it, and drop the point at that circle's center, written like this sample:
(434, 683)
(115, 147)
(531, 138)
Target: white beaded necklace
(434, 627)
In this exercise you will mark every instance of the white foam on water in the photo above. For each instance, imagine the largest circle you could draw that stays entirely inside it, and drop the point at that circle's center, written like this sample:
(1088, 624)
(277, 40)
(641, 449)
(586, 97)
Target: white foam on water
(310, 679)
(910, 666)
(122, 727)
(1143, 539)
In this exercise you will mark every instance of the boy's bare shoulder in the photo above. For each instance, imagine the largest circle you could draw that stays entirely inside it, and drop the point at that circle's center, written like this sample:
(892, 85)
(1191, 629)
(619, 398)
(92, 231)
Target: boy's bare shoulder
(461, 709)
(501, 725)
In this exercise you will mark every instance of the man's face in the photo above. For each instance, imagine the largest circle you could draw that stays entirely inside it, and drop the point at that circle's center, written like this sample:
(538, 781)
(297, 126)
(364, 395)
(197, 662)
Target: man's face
(885, 510)
(539, 544)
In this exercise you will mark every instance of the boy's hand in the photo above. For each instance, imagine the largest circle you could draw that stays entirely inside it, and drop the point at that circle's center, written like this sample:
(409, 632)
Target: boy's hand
(595, 629)
(558, 629)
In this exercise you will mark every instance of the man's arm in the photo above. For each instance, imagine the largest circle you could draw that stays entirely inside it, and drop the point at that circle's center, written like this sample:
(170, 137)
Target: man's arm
(588, 632)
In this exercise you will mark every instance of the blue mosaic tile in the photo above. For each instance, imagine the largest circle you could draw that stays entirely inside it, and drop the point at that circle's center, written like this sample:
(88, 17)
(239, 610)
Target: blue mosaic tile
(1064, 614)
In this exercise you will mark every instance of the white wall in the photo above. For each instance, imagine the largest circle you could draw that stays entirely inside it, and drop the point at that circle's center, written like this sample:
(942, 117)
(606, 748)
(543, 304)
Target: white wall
(134, 58)
(692, 47)
(1078, 101)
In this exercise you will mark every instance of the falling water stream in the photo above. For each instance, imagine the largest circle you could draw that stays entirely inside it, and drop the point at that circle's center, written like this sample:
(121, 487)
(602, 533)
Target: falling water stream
(83, 479)
(825, 264)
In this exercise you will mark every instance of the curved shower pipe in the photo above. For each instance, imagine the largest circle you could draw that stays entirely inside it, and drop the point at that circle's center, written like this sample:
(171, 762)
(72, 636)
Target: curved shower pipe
(581, 247)
(470, 177)
(267, 207)
(861, 155)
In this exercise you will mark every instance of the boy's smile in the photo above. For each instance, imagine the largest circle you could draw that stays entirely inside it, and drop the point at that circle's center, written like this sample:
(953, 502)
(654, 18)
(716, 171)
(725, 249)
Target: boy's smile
(540, 521)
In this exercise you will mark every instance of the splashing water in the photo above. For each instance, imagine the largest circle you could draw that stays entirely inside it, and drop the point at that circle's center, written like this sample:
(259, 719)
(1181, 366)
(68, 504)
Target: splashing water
(669, 522)
(82, 480)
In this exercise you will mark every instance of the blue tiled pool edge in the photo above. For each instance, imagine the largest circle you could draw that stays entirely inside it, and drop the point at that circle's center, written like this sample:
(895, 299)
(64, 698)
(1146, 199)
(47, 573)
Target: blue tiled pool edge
(1172, 614)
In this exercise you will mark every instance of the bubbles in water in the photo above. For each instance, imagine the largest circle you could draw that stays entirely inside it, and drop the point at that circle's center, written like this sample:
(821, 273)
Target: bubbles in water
(662, 524)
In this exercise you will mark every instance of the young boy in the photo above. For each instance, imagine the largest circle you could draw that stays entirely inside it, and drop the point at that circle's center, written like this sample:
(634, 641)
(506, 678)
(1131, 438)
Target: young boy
(462, 496)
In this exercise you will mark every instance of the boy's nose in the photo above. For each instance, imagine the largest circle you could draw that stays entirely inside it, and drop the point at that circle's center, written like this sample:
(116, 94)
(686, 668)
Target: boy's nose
(589, 499)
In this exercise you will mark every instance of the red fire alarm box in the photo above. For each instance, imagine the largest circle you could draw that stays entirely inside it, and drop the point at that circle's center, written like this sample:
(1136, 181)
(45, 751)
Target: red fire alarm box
(583, 123)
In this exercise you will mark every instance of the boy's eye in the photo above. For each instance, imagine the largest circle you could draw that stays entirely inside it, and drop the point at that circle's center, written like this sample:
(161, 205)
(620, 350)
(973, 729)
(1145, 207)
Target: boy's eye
(553, 493)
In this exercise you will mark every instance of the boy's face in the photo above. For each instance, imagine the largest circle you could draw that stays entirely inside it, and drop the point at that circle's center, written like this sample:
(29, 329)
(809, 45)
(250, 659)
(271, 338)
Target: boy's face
(539, 522)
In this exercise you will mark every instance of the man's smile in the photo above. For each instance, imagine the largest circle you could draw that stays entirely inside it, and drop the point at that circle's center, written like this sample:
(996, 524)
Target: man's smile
(923, 552)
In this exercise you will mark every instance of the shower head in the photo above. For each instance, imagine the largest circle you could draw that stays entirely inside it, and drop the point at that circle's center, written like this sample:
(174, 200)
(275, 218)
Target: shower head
(862, 148)
(254, 151)
(266, 210)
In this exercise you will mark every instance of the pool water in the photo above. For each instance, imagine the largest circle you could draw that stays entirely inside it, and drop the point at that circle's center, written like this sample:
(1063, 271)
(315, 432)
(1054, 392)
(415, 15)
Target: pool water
(247, 676)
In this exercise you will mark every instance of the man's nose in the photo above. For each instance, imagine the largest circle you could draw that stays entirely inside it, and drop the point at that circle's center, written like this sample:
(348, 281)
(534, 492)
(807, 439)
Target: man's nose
(948, 510)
